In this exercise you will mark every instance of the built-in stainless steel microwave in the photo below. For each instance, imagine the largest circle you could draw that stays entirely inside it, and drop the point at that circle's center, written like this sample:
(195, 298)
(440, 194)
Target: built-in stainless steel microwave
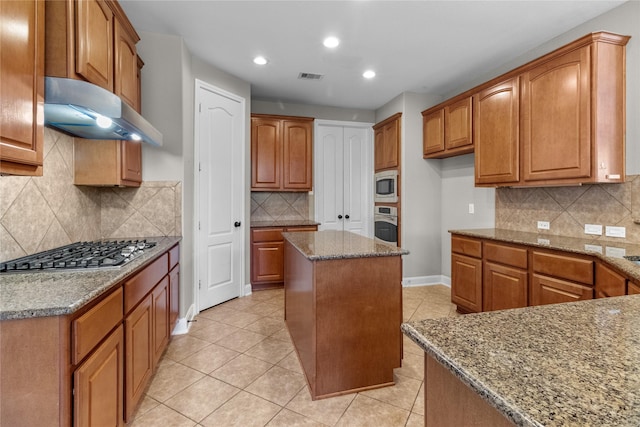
(386, 187)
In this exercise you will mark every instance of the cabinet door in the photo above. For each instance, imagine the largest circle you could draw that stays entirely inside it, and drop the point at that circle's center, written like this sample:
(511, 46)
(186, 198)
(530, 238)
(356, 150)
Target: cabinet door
(139, 354)
(556, 139)
(466, 283)
(161, 330)
(609, 283)
(266, 154)
(297, 155)
(22, 88)
(98, 385)
(433, 132)
(496, 130)
(174, 298)
(458, 126)
(126, 67)
(504, 287)
(267, 262)
(131, 158)
(549, 290)
(633, 288)
(391, 139)
(378, 149)
(94, 42)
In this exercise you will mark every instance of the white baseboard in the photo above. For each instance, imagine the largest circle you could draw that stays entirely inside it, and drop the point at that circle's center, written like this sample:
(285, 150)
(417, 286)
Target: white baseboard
(247, 290)
(183, 323)
(408, 282)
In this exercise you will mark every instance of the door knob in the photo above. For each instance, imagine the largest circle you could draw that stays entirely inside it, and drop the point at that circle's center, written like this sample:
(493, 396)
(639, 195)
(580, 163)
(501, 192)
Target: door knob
(346, 216)
(339, 216)
(237, 224)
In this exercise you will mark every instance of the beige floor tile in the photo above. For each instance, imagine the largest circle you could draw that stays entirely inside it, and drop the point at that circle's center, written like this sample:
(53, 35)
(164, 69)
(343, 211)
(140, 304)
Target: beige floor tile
(202, 398)
(217, 313)
(242, 410)
(182, 346)
(327, 411)
(241, 371)
(210, 358)
(415, 420)
(418, 406)
(145, 406)
(282, 334)
(277, 385)
(278, 314)
(366, 412)
(402, 394)
(213, 330)
(241, 319)
(286, 418)
(241, 340)
(239, 304)
(263, 308)
(162, 416)
(266, 326)
(408, 346)
(270, 350)
(266, 295)
(291, 363)
(198, 323)
(412, 366)
(171, 379)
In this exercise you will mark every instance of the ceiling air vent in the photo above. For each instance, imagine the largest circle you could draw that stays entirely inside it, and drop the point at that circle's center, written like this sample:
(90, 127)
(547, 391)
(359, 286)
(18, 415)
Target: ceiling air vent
(310, 76)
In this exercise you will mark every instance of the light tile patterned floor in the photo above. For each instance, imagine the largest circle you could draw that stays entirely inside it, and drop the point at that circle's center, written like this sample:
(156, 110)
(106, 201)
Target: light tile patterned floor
(237, 367)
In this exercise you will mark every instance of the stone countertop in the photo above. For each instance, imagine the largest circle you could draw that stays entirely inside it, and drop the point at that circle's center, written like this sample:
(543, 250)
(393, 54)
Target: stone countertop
(571, 364)
(331, 244)
(283, 223)
(55, 293)
(611, 252)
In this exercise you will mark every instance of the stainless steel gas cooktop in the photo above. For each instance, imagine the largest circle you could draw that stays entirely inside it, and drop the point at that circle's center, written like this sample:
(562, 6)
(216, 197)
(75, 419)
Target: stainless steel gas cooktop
(80, 255)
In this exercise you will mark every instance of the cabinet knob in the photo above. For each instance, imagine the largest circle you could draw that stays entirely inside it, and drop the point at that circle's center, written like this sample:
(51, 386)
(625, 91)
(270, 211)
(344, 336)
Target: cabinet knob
(237, 224)
(346, 216)
(339, 216)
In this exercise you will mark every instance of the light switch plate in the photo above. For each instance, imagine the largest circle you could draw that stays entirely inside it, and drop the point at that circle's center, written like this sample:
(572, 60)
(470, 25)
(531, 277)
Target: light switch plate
(472, 208)
(612, 231)
(543, 225)
(593, 229)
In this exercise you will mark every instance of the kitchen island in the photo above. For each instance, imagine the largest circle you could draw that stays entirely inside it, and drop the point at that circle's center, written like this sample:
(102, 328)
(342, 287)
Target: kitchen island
(343, 309)
(572, 364)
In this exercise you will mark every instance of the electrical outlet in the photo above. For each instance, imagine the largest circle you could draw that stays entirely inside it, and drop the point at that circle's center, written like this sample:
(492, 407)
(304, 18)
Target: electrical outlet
(611, 231)
(595, 229)
(615, 252)
(472, 208)
(593, 248)
(543, 225)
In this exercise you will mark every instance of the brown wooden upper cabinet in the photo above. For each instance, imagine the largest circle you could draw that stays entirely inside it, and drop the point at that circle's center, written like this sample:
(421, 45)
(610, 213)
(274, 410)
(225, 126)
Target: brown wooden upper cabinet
(447, 131)
(281, 153)
(22, 89)
(387, 143)
(93, 40)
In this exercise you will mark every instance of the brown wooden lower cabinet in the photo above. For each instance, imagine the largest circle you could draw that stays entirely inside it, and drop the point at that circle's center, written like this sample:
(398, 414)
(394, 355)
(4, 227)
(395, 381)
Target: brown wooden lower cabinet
(549, 290)
(466, 283)
(99, 383)
(609, 283)
(504, 287)
(633, 288)
(139, 357)
(161, 330)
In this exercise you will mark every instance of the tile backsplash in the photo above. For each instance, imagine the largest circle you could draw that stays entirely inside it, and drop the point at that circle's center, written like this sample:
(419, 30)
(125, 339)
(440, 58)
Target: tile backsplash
(267, 206)
(568, 209)
(40, 213)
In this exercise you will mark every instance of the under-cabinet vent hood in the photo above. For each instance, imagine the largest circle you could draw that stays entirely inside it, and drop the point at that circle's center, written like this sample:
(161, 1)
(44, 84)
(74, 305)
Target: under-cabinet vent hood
(88, 111)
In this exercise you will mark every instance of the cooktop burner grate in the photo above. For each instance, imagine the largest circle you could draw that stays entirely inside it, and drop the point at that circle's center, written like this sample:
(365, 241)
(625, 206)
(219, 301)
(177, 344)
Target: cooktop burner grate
(80, 255)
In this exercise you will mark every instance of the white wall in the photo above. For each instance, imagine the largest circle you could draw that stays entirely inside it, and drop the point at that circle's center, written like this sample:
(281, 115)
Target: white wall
(315, 111)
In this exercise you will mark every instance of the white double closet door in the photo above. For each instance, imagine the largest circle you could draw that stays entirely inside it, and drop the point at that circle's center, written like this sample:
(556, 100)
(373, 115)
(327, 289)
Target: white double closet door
(343, 176)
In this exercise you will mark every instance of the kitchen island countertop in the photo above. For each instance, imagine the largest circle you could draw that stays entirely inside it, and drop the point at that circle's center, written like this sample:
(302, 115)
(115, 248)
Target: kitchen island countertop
(571, 364)
(54, 293)
(331, 244)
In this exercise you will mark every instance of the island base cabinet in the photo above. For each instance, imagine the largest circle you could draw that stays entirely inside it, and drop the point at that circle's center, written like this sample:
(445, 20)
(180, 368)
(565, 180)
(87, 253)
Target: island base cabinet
(98, 385)
(450, 403)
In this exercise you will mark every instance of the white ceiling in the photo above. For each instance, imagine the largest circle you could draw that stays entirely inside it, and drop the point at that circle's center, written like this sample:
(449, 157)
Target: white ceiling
(418, 46)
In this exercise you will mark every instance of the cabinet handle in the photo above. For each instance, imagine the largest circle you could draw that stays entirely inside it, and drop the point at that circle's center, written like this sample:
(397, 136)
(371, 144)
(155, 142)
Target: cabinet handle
(346, 216)
(339, 216)
(237, 224)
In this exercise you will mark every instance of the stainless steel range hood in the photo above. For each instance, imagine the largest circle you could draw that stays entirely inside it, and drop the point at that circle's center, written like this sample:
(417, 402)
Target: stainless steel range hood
(88, 111)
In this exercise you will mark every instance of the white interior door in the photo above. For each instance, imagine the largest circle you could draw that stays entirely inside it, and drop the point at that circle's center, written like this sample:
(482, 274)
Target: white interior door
(220, 181)
(344, 176)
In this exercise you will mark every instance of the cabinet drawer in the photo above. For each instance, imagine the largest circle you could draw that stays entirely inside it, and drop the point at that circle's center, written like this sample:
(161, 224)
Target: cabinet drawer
(466, 246)
(566, 267)
(548, 290)
(90, 328)
(140, 285)
(174, 256)
(507, 255)
(267, 235)
(306, 228)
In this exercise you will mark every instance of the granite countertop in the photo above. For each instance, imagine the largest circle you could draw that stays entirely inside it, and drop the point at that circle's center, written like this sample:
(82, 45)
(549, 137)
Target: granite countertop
(55, 293)
(571, 364)
(611, 252)
(331, 244)
(283, 223)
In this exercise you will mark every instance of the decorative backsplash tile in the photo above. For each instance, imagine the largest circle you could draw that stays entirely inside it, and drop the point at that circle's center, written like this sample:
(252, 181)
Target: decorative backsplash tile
(266, 206)
(568, 209)
(40, 213)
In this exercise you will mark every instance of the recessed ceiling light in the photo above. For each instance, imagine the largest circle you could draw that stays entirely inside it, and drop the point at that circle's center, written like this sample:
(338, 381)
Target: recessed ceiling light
(369, 74)
(331, 42)
(260, 60)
